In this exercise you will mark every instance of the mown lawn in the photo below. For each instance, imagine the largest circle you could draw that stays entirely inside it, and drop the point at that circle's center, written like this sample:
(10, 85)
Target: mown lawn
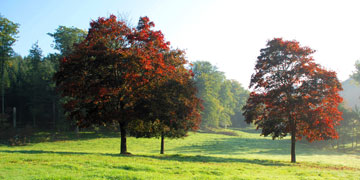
(198, 156)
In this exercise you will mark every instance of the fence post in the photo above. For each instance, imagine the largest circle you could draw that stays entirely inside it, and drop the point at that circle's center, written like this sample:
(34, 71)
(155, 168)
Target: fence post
(14, 117)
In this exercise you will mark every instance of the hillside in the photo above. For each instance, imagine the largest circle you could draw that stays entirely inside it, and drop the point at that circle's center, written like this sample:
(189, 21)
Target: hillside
(351, 93)
(198, 156)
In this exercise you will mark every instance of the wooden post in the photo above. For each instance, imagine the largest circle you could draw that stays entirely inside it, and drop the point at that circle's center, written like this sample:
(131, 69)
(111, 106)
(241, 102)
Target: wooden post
(2, 87)
(14, 117)
(53, 113)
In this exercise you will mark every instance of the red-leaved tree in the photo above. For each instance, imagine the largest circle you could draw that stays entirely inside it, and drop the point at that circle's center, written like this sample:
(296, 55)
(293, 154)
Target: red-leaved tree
(292, 94)
(173, 108)
(109, 73)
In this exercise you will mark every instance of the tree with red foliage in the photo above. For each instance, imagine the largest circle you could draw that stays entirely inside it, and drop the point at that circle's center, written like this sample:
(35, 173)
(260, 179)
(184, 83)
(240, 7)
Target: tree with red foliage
(173, 108)
(108, 75)
(292, 94)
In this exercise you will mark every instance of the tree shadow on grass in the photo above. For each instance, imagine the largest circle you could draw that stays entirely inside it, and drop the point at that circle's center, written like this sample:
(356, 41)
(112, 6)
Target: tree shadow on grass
(49, 136)
(250, 130)
(47, 152)
(214, 159)
(58, 136)
(244, 146)
(174, 157)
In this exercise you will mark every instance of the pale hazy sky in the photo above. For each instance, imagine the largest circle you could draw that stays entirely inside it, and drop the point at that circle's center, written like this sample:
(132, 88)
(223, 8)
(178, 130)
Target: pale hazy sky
(228, 33)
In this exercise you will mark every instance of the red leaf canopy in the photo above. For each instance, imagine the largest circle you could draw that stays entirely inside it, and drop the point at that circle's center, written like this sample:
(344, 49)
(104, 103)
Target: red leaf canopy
(290, 89)
(112, 69)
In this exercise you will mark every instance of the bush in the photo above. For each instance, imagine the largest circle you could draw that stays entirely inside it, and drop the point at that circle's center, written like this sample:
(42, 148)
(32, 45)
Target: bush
(16, 137)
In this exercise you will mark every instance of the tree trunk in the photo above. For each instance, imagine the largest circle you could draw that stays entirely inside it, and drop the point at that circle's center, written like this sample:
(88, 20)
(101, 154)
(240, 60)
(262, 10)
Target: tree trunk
(123, 149)
(162, 144)
(53, 114)
(77, 129)
(34, 120)
(353, 137)
(2, 87)
(14, 117)
(293, 139)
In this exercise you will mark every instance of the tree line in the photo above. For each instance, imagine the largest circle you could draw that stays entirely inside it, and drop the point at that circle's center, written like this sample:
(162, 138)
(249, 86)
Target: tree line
(27, 82)
(168, 96)
(222, 98)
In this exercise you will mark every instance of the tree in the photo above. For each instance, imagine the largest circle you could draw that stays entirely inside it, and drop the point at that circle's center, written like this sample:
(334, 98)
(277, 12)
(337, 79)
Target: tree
(356, 74)
(240, 97)
(356, 126)
(349, 127)
(172, 111)
(208, 81)
(356, 77)
(40, 89)
(35, 77)
(292, 94)
(173, 108)
(8, 35)
(346, 126)
(108, 74)
(66, 37)
(228, 103)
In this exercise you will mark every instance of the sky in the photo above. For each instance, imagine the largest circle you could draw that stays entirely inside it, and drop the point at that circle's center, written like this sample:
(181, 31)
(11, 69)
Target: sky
(227, 33)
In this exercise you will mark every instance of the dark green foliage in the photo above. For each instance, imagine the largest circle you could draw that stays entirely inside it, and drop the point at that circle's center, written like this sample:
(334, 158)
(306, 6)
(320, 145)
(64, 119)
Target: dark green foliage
(30, 89)
(29, 85)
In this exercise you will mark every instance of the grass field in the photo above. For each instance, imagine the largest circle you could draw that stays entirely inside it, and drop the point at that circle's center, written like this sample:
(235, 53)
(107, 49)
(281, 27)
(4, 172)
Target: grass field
(198, 156)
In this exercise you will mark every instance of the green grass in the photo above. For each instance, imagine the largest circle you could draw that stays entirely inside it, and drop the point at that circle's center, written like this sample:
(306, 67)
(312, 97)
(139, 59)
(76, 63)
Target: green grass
(198, 156)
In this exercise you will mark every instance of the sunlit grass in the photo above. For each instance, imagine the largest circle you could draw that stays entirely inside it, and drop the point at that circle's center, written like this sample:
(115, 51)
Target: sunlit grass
(198, 156)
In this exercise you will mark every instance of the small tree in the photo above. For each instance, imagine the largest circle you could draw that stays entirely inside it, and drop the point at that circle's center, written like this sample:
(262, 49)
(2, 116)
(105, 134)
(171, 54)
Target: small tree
(292, 94)
(108, 74)
(173, 108)
(172, 112)
(37, 86)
